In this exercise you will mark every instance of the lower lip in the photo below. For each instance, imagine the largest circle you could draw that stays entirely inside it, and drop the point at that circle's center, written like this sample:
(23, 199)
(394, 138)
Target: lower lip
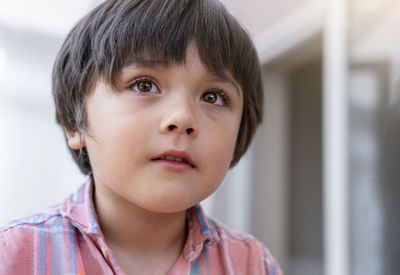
(173, 165)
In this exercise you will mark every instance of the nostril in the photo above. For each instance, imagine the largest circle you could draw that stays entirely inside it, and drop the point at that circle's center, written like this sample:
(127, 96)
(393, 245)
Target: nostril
(189, 131)
(171, 127)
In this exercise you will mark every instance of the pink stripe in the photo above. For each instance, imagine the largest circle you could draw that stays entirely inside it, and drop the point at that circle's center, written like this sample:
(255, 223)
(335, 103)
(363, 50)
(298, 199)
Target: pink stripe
(66, 248)
(227, 254)
(81, 269)
(36, 249)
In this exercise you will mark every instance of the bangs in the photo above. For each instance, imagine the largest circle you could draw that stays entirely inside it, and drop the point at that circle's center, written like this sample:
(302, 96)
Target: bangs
(158, 32)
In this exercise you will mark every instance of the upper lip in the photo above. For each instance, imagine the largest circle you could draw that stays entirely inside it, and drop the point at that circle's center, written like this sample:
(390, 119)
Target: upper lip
(176, 154)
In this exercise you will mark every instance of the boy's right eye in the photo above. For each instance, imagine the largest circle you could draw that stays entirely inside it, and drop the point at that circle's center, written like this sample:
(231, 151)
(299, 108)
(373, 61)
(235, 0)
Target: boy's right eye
(144, 85)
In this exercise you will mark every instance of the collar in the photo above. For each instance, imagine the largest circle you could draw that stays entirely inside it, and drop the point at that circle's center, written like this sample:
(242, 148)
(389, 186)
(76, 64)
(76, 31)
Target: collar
(201, 231)
(79, 209)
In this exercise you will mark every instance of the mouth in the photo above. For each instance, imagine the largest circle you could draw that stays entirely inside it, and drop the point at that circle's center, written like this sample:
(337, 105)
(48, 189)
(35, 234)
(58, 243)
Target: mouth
(175, 157)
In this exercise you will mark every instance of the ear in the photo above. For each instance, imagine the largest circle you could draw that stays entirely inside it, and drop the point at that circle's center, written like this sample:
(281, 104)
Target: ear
(75, 140)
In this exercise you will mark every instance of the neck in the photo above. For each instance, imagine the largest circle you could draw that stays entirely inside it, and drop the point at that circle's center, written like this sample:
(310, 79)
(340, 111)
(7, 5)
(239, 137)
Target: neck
(135, 230)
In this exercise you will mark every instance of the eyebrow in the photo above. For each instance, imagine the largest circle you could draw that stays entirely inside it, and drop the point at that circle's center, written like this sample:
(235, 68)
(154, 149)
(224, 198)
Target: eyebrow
(224, 78)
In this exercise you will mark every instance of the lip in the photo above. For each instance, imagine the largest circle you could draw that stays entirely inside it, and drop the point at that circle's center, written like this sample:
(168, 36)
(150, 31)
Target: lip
(188, 162)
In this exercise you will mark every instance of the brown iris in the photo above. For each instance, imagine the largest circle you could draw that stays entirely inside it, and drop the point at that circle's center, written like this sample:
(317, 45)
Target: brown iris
(145, 86)
(210, 97)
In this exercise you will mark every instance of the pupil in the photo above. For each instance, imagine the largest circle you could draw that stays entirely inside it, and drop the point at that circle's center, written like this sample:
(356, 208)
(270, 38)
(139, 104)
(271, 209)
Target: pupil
(210, 98)
(144, 86)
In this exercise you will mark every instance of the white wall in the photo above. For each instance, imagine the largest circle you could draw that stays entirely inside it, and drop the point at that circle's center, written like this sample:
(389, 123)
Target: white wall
(35, 168)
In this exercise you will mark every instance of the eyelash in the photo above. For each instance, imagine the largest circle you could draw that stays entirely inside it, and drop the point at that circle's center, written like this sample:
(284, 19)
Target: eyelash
(224, 97)
(139, 79)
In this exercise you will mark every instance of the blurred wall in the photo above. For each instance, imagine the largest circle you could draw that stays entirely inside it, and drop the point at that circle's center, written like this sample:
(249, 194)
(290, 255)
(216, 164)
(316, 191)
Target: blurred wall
(35, 169)
(305, 195)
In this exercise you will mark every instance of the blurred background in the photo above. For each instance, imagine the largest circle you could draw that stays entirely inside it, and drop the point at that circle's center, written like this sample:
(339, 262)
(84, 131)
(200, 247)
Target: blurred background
(319, 185)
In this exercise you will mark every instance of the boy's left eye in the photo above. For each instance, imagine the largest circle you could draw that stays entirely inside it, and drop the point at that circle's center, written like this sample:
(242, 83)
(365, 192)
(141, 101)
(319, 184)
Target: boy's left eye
(144, 85)
(216, 97)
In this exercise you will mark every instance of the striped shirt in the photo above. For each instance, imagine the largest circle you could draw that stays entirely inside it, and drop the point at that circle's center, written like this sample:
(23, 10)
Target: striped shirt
(66, 239)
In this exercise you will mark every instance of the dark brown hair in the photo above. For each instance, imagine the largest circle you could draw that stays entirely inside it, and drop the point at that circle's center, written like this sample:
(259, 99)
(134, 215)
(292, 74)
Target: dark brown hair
(122, 31)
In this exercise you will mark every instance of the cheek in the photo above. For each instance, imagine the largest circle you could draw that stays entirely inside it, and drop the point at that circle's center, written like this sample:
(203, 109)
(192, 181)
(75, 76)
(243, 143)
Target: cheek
(112, 148)
(219, 152)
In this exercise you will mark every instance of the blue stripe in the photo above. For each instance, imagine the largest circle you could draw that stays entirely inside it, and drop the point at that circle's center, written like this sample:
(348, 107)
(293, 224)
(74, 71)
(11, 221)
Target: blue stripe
(207, 258)
(206, 224)
(203, 225)
(196, 267)
(42, 249)
(73, 265)
(94, 226)
(57, 247)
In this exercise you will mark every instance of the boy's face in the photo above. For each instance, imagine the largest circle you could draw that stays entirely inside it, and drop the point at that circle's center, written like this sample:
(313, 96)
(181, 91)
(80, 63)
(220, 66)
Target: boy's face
(138, 136)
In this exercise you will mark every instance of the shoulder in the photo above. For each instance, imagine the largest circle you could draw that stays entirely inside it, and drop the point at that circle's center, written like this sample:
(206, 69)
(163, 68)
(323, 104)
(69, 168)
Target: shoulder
(32, 219)
(42, 221)
(24, 229)
(228, 251)
(244, 247)
(28, 229)
(21, 240)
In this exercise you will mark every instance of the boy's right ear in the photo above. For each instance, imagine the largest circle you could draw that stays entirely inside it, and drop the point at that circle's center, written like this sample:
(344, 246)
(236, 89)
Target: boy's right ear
(75, 140)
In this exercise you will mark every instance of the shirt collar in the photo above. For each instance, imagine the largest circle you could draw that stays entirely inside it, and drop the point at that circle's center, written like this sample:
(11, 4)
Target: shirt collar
(201, 231)
(79, 208)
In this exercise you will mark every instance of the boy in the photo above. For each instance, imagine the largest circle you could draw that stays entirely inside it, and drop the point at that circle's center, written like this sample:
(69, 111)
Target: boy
(158, 99)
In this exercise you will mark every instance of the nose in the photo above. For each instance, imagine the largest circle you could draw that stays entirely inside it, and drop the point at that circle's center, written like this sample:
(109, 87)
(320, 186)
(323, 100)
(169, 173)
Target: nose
(179, 118)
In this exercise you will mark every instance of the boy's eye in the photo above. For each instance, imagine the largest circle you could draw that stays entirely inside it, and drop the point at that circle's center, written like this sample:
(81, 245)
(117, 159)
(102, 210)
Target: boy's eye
(216, 97)
(144, 85)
